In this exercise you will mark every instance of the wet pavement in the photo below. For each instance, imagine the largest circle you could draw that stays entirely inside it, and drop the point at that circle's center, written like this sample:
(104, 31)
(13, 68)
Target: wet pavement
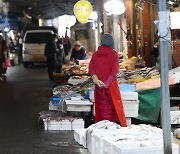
(22, 96)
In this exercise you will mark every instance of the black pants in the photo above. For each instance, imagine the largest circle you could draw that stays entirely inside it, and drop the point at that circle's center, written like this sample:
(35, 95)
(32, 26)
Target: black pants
(58, 68)
(5, 70)
(51, 69)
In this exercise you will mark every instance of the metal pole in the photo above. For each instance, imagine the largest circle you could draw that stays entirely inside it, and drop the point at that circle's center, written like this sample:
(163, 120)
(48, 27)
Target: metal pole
(165, 99)
(115, 31)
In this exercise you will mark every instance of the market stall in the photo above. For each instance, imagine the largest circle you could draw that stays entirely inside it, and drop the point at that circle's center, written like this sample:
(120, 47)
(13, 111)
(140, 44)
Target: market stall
(139, 86)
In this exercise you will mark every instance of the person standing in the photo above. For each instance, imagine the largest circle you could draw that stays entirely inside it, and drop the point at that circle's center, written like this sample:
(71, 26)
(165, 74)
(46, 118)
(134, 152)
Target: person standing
(59, 56)
(67, 45)
(103, 68)
(19, 48)
(2, 56)
(7, 62)
(78, 53)
(50, 50)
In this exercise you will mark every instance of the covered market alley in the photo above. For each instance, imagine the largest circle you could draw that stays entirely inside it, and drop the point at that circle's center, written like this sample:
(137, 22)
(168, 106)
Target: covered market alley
(58, 95)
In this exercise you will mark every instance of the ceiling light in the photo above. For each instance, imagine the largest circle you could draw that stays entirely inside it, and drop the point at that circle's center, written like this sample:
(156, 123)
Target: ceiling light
(93, 16)
(140, 7)
(115, 7)
(171, 2)
(108, 14)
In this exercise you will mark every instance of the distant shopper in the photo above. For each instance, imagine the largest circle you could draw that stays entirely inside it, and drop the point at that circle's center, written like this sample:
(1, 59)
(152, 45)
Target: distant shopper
(50, 50)
(11, 45)
(103, 68)
(2, 56)
(155, 53)
(19, 48)
(67, 45)
(59, 56)
(78, 53)
(7, 62)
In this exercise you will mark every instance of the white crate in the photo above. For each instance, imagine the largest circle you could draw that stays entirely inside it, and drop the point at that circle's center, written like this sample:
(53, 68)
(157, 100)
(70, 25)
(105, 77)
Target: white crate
(80, 136)
(79, 106)
(91, 95)
(77, 124)
(63, 124)
(128, 121)
(143, 147)
(99, 137)
(76, 81)
(131, 108)
(175, 117)
(129, 96)
(51, 125)
(125, 96)
(54, 107)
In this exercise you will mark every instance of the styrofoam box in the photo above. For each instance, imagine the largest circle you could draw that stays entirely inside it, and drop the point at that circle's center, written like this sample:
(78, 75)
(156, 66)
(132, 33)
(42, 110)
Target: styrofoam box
(125, 96)
(77, 124)
(90, 138)
(79, 106)
(57, 125)
(80, 136)
(143, 147)
(129, 96)
(91, 95)
(131, 108)
(63, 125)
(128, 121)
(96, 144)
(51, 125)
(76, 81)
(54, 107)
(175, 117)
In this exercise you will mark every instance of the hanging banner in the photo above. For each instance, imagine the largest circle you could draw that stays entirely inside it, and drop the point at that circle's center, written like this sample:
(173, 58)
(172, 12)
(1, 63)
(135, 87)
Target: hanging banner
(82, 10)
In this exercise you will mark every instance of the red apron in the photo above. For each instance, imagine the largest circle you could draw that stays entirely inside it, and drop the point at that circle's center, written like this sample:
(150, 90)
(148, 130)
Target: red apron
(117, 102)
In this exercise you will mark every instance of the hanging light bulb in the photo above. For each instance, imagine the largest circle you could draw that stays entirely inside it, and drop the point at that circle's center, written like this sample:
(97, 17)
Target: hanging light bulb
(115, 7)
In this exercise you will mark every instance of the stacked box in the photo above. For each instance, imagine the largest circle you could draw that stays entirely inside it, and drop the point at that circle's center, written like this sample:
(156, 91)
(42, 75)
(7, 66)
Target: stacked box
(79, 106)
(136, 139)
(175, 117)
(63, 124)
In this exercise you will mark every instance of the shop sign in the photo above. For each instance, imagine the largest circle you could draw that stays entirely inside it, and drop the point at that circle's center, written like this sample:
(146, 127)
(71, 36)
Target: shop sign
(82, 10)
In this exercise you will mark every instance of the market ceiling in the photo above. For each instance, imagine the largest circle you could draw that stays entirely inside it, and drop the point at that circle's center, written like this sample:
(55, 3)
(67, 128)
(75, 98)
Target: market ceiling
(46, 9)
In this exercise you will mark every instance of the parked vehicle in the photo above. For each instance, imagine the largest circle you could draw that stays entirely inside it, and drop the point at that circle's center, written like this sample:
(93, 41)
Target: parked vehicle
(34, 42)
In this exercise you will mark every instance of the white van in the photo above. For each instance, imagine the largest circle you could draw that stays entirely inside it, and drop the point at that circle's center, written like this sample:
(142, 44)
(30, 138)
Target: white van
(34, 42)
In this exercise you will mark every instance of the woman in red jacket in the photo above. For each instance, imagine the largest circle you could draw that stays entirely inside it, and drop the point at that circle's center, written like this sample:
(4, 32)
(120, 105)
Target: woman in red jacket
(103, 68)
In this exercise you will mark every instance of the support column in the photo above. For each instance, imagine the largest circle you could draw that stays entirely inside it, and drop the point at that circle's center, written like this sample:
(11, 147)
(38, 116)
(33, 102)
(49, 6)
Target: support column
(165, 101)
(129, 19)
(147, 35)
(115, 31)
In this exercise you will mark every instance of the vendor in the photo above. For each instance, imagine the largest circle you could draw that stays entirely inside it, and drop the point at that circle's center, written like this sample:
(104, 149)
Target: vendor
(103, 68)
(78, 53)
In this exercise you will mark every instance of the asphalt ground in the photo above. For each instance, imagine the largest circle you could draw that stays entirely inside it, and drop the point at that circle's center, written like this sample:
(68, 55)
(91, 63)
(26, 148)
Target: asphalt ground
(24, 93)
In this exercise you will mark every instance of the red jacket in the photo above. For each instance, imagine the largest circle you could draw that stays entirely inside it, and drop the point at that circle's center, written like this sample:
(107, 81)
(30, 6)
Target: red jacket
(104, 63)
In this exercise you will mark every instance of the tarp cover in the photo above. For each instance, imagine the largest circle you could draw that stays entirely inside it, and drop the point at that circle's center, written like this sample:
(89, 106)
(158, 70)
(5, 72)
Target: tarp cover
(149, 105)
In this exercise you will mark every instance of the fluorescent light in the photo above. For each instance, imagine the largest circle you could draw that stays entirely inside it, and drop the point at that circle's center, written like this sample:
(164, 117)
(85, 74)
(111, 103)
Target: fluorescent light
(28, 16)
(171, 2)
(175, 23)
(6, 29)
(115, 7)
(108, 14)
(140, 7)
(93, 16)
